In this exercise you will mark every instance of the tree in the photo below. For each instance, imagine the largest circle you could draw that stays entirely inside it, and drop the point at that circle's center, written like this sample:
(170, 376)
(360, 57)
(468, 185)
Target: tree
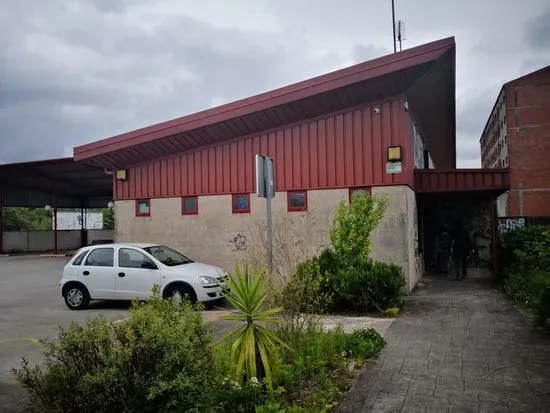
(354, 224)
(17, 219)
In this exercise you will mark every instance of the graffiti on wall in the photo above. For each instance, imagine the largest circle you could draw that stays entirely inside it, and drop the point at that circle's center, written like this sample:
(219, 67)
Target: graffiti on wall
(238, 242)
(510, 224)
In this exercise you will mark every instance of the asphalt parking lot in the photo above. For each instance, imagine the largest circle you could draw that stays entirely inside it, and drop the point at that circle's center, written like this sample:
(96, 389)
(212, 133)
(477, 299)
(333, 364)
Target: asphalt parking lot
(31, 307)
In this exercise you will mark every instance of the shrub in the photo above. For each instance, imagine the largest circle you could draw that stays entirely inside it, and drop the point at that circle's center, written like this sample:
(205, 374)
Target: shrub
(159, 359)
(364, 344)
(392, 312)
(322, 285)
(315, 374)
(369, 285)
(309, 289)
(254, 346)
(524, 267)
(526, 248)
(354, 224)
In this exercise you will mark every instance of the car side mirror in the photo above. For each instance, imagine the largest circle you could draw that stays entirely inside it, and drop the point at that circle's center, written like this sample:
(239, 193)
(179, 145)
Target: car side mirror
(148, 265)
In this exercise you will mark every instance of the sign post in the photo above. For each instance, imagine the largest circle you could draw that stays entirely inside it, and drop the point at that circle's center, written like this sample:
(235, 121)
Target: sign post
(265, 188)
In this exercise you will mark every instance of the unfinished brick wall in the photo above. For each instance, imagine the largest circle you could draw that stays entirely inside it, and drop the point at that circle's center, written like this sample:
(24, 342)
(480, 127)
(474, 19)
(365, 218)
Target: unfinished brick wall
(528, 124)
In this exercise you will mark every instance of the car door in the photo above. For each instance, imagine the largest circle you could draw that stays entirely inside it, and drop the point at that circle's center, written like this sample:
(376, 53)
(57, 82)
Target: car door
(136, 274)
(98, 273)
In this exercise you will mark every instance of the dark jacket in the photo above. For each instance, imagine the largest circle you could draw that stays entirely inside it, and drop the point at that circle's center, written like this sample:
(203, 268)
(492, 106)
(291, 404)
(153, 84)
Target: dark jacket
(462, 242)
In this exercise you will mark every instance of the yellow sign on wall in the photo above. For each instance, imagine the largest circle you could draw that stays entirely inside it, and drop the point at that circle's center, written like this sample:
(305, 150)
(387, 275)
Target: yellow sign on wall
(121, 175)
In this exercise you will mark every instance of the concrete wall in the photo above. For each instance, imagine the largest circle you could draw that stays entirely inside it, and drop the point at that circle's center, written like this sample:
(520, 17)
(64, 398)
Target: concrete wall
(396, 238)
(40, 241)
(219, 237)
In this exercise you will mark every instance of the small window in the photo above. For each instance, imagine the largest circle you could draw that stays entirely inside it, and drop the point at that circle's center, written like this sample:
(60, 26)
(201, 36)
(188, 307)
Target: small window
(297, 200)
(79, 258)
(190, 205)
(101, 257)
(143, 208)
(241, 203)
(128, 258)
(353, 191)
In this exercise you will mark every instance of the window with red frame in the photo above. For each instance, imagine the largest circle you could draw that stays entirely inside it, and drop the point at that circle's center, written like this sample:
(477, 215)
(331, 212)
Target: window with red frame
(241, 203)
(353, 191)
(190, 205)
(143, 207)
(297, 200)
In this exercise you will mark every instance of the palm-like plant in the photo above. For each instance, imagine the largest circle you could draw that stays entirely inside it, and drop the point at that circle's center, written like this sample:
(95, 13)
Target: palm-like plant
(254, 345)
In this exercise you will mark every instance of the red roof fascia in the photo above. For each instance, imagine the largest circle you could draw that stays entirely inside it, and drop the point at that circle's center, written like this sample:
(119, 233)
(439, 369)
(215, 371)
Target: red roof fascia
(456, 180)
(334, 80)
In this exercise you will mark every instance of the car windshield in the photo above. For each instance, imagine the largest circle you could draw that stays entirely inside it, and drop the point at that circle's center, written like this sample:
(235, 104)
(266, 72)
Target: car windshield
(167, 255)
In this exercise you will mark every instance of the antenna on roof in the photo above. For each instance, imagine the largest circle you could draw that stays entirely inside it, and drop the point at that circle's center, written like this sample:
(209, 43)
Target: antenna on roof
(400, 32)
(393, 24)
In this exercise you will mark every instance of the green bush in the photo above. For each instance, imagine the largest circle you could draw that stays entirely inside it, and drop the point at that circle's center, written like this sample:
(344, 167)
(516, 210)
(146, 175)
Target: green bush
(316, 373)
(525, 268)
(526, 248)
(309, 289)
(364, 344)
(159, 359)
(319, 286)
(369, 285)
(354, 224)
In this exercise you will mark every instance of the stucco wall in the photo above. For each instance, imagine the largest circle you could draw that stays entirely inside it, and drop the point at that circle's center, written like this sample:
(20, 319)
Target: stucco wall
(219, 237)
(396, 238)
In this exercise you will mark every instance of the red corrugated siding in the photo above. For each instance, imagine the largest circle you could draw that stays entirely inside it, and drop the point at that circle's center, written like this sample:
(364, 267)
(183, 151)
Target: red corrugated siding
(433, 180)
(341, 150)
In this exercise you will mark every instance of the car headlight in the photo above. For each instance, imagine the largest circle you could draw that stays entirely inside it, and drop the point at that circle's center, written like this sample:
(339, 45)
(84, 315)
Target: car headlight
(207, 280)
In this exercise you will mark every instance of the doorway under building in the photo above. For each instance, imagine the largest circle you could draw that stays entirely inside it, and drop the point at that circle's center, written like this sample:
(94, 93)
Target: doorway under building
(474, 211)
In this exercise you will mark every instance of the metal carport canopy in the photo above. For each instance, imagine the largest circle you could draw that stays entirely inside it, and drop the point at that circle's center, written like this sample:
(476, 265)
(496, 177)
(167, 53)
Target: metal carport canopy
(61, 183)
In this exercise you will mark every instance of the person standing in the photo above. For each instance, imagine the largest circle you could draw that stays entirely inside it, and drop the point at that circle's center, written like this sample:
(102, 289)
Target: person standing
(444, 244)
(462, 245)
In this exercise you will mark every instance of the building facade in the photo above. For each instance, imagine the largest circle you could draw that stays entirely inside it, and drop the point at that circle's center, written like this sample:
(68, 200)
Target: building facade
(517, 137)
(190, 182)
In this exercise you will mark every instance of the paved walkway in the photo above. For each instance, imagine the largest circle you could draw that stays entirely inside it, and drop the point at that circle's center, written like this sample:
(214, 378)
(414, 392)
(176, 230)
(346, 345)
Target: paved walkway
(457, 347)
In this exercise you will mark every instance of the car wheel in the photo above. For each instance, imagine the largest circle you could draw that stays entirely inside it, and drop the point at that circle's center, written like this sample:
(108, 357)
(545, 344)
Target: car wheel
(179, 292)
(77, 297)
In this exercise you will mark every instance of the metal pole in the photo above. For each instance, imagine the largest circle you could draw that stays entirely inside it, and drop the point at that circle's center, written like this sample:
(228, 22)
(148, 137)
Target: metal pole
(269, 234)
(55, 224)
(393, 24)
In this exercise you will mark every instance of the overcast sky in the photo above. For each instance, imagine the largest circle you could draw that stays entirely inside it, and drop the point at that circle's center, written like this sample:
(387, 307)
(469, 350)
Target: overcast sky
(75, 71)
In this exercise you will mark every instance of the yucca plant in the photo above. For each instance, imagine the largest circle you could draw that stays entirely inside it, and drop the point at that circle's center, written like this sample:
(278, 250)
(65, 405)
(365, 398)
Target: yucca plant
(254, 347)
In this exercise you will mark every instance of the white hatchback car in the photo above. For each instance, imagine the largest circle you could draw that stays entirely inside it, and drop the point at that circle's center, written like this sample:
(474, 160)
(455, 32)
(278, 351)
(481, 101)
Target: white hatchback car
(129, 271)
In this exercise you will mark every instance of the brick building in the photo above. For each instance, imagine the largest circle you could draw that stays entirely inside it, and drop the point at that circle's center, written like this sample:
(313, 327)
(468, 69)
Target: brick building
(189, 182)
(517, 137)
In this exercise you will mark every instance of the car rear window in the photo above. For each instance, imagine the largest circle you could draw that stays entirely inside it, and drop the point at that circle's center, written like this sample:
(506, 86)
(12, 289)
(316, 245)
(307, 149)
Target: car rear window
(79, 258)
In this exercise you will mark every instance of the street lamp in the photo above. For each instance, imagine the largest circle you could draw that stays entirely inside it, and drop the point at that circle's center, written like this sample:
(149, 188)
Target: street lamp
(111, 205)
(48, 210)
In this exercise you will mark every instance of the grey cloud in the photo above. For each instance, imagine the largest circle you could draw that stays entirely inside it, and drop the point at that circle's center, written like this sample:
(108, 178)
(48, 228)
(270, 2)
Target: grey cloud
(72, 72)
(538, 31)
(364, 52)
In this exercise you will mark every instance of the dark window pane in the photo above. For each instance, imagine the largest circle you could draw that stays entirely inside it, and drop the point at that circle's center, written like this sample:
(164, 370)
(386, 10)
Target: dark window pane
(79, 258)
(190, 204)
(241, 202)
(297, 200)
(101, 257)
(143, 207)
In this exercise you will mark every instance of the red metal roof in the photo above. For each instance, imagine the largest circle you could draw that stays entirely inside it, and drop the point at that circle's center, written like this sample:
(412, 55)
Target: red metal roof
(460, 180)
(389, 75)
